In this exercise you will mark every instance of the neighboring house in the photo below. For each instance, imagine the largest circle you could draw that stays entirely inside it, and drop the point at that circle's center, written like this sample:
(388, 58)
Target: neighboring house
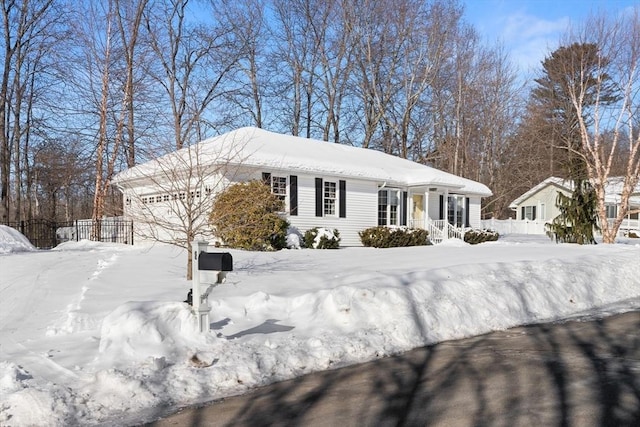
(537, 206)
(323, 184)
(539, 203)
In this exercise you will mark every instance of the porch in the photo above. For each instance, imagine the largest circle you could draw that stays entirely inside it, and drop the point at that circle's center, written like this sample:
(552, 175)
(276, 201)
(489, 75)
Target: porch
(416, 207)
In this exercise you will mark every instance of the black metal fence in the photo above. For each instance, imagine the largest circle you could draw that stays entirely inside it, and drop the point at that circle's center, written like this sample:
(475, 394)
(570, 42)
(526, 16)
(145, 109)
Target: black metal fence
(46, 234)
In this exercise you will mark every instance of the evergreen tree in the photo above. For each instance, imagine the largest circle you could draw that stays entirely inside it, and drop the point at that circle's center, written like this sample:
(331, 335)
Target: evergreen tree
(578, 216)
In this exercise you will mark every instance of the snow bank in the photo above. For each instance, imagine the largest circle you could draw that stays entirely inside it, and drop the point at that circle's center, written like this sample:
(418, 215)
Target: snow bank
(11, 240)
(279, 315)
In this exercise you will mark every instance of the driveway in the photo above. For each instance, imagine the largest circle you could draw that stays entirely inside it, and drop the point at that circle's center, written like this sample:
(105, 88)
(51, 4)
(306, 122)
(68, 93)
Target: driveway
(579, 373)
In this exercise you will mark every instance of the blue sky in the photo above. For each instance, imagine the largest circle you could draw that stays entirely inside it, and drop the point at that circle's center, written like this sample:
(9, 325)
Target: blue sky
(530, 29)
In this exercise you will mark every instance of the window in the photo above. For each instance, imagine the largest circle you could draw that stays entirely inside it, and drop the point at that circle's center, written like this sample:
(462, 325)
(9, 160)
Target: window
(329, 198)
(279, 187)
(612, 211)
(455, 210)
(543, 212)
(529, 212)
(382, 207)
(144, 200)
(158, 199)
(165, 198)
(388, 207)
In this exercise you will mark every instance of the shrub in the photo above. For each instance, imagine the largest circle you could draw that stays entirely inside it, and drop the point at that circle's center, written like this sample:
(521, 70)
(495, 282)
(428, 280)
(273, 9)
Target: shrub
(386, 237)
(294, 238)
(474, 237)
(245, 216)
(322, 238)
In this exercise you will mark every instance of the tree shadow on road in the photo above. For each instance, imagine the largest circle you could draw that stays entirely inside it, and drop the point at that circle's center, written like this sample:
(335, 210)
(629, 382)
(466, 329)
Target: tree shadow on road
(568, 374)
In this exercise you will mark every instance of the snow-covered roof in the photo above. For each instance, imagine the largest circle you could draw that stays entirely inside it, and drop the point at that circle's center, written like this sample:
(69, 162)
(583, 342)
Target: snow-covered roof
(258, 148)
(552, 180)
(613, 189)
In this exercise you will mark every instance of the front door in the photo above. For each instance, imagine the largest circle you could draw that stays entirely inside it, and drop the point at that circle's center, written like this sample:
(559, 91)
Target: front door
(417, 211)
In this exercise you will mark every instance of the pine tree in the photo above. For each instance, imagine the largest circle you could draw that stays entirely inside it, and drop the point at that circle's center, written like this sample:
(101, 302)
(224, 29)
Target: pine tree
(578, 216)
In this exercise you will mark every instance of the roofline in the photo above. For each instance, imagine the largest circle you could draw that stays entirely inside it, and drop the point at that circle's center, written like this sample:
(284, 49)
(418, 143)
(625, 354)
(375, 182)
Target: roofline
(552, 180)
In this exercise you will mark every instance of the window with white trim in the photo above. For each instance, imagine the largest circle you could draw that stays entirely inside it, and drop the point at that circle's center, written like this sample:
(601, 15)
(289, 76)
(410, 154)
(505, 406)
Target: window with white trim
(388, 207)
(612, 211)
(279, 187)
(329, 198)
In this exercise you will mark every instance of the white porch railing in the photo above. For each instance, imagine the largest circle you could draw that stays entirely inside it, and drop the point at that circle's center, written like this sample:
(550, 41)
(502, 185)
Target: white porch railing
(627, 225)
(439, 230)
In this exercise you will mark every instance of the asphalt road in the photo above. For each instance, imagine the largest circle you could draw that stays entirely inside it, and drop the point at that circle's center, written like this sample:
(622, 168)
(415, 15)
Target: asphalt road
(563, 374)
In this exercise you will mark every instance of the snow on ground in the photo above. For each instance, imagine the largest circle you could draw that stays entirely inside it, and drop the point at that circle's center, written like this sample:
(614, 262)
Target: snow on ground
(96, 333)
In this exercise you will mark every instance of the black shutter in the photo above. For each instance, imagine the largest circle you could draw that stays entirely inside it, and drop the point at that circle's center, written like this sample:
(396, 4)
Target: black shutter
(534, 213)
(266, 178)
(442, 206)
(319, 209)
(403, 218)
(522, 214)
(342, 199)
(466, 212)
(293, 195)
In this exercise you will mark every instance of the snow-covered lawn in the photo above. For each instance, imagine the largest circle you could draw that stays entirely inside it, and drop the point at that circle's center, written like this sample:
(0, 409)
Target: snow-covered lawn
(98, 334)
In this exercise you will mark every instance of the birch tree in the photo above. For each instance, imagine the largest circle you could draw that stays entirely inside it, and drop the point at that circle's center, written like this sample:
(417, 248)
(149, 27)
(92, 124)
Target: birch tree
(608, 128)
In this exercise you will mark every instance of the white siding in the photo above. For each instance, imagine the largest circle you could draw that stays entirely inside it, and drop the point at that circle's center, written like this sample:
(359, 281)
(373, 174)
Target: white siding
(434, 205)
(362, 205)
(474, 212)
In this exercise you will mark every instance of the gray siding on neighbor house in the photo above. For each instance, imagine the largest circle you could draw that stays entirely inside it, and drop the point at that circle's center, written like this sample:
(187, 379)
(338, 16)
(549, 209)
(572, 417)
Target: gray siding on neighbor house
(545, 203)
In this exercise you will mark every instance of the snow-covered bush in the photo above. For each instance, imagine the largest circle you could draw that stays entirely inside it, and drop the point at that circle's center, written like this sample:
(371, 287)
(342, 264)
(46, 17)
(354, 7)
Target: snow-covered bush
(387, 237)
(474, 237)
(294, 238)
(322, 238)
(245, 216)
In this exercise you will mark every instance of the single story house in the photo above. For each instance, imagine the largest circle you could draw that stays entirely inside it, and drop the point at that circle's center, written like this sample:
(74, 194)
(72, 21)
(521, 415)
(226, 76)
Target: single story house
(539, 203)
(323, 184)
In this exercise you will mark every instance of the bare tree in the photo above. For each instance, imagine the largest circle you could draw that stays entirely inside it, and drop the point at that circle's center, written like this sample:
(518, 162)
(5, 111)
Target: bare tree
(24, 25)
(426, 43)
(171, 197)
(194, 62)
(250, 76)
(104, 45)
(128, 16)
(607, 128)
(298, 56)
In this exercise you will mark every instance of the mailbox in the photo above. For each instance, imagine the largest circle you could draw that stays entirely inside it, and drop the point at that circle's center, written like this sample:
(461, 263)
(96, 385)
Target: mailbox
(219, 263)
(211, 261)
